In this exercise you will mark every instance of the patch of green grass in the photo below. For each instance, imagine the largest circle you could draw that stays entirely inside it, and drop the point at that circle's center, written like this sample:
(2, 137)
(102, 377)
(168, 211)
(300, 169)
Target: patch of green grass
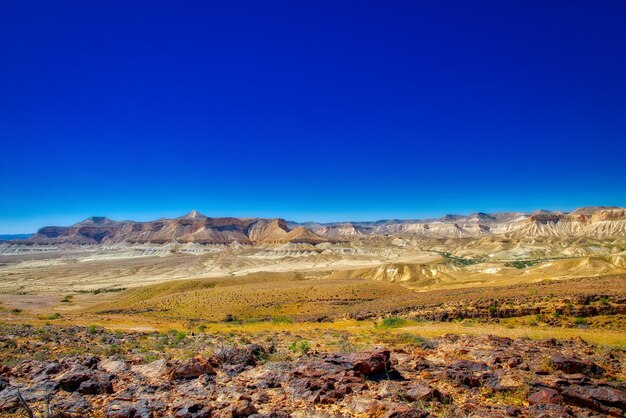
(580, 321)
(302, 346)
(522, 264)
(393, 322)
(460, 261)
(282, 320)
(54, 316)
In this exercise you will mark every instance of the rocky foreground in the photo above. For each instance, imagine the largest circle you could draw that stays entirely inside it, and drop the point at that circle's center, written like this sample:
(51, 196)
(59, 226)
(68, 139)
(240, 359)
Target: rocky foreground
(449, 376)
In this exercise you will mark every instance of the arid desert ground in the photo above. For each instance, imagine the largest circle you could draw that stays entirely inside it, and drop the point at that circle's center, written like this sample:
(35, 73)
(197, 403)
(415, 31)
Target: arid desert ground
(495, 315)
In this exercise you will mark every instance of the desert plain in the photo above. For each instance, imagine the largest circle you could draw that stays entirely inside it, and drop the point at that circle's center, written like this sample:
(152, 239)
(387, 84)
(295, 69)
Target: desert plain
(508, 314)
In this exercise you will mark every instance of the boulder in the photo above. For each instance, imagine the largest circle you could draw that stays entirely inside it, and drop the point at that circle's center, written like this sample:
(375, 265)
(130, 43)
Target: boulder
(571, 365)
(156, 370)
(74, 406)
(112, 365)
(191, 368)
(545, 396)
(192, 410)
(421, 392)
(365, 363)
(71, 380)
(95, 387)
(603, 399)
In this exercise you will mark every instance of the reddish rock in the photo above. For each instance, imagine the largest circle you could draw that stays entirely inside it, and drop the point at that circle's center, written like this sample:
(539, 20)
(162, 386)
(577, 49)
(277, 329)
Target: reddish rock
(192, 410)
(424, 393)
(545, 396)
(240, 409)
(371, 362)
(602, 399)
(365, 363)
(571, 365)
(191, 368)
(406, 412)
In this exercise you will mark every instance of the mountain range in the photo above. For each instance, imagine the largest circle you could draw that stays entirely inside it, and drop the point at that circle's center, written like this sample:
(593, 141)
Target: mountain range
(596, 222)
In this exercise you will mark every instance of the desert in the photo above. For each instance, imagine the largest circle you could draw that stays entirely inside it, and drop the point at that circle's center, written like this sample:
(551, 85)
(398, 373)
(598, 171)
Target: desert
(507, 314)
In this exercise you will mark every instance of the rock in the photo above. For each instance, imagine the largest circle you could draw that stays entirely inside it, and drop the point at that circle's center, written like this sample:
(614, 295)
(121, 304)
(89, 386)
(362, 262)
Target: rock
(39, 391)
(365, 363)
(94, 387)
(71, 381)
(504, 381)
(240, 409)
(406, 412)
(121, 409)
(192, 410)
(546, 411)
(8, 400)
(91, 362)
(545, 396)
(424, 393)
(74, 406)
(273, 414)
(472, 366)
(571, 365)
(112, 365)
(366, 407)
(462, 378)
(191, 368)
(156, 370)
(602, 399)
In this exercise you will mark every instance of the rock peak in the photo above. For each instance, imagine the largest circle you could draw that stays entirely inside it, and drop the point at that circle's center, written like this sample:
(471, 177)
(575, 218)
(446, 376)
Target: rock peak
(194, 214)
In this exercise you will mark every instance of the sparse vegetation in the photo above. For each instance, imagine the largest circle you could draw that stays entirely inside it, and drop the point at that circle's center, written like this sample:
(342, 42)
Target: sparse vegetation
(282, 320)
(393, 322)
(303, 347)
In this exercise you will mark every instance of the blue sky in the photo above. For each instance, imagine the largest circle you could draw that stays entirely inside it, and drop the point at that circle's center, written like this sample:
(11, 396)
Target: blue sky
(325, 110)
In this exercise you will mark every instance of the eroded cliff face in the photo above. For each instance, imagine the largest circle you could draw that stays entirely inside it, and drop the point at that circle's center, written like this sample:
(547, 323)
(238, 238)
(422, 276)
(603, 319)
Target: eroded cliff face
(593, 222)
(192, 227)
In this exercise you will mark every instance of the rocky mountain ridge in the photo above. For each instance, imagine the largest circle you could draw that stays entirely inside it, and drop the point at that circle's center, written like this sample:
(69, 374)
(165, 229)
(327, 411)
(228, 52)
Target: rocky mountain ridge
(193, 227)
(594, 222)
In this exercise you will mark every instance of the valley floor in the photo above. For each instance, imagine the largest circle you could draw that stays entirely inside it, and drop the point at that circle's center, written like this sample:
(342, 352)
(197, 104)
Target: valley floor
(408, 330)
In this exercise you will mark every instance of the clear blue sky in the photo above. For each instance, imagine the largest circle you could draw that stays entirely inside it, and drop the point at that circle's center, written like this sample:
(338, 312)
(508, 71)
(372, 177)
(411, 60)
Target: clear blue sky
(320, 110)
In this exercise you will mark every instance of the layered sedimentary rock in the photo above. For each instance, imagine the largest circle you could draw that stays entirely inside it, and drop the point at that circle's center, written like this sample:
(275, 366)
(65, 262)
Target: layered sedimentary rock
(193, 227)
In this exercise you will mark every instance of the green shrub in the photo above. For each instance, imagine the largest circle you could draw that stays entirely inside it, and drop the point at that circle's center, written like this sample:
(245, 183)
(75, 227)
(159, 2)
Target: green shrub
(303, 347)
